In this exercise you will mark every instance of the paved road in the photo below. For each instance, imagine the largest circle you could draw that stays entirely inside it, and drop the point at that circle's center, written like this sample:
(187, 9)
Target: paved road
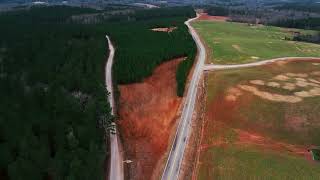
(217, 67)
(171, 171)
(116, 159)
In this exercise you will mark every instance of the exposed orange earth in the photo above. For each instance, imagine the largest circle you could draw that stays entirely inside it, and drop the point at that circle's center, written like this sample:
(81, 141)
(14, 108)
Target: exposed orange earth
(148, 112)
(205, 16)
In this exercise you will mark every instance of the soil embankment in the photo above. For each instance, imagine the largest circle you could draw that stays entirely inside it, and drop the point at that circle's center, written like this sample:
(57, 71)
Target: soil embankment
(148, 113)
(205, 16)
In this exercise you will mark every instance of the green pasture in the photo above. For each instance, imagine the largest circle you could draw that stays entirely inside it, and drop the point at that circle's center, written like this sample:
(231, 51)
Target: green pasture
(235, 43)
(268, 119)
(246, 163)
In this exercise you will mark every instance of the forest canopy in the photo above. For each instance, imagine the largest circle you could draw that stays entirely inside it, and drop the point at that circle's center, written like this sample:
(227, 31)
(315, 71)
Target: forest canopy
(54, 114)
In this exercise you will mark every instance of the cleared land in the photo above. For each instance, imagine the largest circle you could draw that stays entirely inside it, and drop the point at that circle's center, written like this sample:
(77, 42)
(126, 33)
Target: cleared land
(235, 43)
(260, 122)
(148, 113)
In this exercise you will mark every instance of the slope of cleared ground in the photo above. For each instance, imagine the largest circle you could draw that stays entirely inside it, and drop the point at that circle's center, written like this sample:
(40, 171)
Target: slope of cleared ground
(148, 112)
(235, 43)
(260, 122)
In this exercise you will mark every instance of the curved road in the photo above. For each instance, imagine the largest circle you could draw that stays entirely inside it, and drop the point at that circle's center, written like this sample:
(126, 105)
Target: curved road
(172, 167)
(173, 164)
(116, 159)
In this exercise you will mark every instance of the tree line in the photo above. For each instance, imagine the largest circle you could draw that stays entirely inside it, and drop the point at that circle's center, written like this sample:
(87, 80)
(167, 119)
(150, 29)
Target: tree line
(304, 16)
(54, 102)
(139, 49)
(54, 114)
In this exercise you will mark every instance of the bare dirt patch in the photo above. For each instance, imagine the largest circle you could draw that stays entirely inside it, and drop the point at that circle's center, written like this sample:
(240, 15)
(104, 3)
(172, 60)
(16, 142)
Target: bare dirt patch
(249, 138)
(237, 47)
(246, 138)
(165, 29)
(281, 63)
(147, 114)
(311, 93)
(314, 81)
(273, 84)
(309, 87)
(205, 16)
(281, 77)
(301, 75)
(316, 73)
(270, 96)
(289, 86)
(257, 82)
(296, 123)
(233, 94)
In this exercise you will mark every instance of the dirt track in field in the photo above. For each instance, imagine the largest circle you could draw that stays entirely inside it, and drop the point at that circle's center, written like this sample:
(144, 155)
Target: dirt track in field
(246, 138)
(148, 113)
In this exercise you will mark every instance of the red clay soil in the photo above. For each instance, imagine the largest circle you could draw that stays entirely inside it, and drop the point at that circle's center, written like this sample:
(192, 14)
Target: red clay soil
(148, 111)
(221, 113)
(246, 138)
(205, 16)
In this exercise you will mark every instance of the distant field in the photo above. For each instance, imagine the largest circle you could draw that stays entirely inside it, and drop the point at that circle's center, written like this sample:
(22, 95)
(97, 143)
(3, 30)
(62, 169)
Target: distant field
(261, 121)
(234, 43)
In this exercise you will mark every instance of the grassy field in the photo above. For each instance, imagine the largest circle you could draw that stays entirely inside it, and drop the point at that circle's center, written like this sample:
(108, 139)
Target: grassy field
(259, 125)
(234, 43)
(247, 163)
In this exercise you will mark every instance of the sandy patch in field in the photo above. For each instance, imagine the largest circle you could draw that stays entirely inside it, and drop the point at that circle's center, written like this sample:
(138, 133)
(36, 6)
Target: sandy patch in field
(289, 86)
(281, 63)
(287, 81)
(311, 93)
(147, 113)
(205, 16)
(316, 64)
(305, 84)
(281, 77)
(300, 79)
(166, 29)
(273, 84)
(316, 73)
(237, 47)
(314, 81)
(257, 82)
(233, 94)
(301, 75)
(270, 96)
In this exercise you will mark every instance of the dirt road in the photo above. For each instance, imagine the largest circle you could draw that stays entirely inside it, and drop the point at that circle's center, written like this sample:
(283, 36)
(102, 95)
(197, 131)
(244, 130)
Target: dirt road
(116, 159)
(211, 67)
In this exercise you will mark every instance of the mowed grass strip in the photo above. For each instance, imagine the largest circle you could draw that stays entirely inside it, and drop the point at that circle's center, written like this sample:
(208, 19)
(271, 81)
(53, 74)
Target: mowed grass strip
(235, 43)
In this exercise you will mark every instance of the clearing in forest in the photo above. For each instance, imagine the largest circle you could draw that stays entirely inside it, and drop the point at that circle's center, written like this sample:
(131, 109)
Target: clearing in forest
(235, 43)
(164, 29)
(261, 122)
(148, 113)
